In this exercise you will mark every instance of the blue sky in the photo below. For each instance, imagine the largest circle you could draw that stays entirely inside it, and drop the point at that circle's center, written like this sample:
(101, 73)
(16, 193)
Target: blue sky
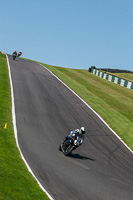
(69, 33)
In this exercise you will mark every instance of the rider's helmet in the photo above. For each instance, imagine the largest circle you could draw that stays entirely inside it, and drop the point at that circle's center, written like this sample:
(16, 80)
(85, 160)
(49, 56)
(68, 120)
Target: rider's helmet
(82, 130)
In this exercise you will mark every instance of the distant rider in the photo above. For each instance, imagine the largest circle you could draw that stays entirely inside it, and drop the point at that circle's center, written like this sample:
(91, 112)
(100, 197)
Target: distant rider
(19, 53)
(14, 55)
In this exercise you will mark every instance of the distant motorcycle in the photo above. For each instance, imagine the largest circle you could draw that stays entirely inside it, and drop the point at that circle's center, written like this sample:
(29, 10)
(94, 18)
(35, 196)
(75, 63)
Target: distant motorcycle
(14, 55)
(19, 53)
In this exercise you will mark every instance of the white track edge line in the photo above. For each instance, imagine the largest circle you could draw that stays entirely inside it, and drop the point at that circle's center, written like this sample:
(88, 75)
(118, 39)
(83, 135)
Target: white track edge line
(15, 131)
(90, 108)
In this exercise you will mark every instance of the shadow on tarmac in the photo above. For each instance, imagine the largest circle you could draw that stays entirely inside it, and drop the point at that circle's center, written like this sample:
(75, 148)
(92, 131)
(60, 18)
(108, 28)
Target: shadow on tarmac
(77, 156)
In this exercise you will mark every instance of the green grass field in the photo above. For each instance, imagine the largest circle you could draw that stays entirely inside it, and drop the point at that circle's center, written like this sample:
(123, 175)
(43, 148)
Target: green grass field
(16, 183)
(112, 102)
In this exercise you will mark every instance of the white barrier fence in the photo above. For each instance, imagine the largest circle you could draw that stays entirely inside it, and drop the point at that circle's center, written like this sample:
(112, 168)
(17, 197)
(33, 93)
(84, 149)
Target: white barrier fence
(114, 79)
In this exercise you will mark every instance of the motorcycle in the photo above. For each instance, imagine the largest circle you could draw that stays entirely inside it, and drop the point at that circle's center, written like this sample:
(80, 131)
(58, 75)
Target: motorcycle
(14, 55)
(69, 144)
(19, 53)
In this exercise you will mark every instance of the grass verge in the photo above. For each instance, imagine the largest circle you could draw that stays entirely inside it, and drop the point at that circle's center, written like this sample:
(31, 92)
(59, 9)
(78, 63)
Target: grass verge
(15, 180)
(112, 102)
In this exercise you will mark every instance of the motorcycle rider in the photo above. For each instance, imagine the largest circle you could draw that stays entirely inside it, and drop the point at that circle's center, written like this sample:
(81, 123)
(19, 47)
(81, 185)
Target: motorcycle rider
(19, 53)
(77, 135)
(14, 55)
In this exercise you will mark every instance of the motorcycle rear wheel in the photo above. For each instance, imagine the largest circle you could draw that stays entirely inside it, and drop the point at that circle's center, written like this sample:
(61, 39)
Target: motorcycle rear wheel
(14, 57)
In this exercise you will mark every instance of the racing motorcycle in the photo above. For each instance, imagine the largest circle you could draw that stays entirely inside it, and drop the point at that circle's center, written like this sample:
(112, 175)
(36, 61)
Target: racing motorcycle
(70, 144)
(14, 55)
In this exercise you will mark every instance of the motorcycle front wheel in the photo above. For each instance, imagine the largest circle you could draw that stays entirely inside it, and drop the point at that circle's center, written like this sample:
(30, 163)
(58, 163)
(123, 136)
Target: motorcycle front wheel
(68, 149)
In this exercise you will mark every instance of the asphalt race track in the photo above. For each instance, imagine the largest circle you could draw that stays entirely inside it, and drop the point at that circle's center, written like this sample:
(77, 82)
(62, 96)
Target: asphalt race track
(46, 111)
